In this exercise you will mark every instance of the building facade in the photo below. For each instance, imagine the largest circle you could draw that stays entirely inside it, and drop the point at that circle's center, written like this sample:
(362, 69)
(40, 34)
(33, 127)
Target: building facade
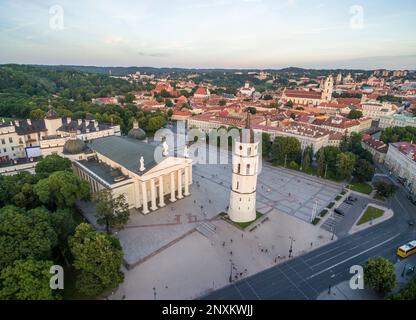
(401, 160)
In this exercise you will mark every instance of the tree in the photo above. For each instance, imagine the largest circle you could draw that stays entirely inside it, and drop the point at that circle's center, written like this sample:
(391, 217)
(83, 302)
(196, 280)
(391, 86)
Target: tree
(169, 103)
(155, 123)
(129, 98)
(289, 104)
(51, 164)
(321, 163)
(98, 258)
(252, 110)
(345, 165)
(407, 293)
(26, 280)
(307, 158)
(363, 171)
(380, 275)
(286, 149)
(222, 102)
(355, 114)
(111, 211)
(37, 114)
(61, 190)
(25, 235)
(266, 145)
(385, 189)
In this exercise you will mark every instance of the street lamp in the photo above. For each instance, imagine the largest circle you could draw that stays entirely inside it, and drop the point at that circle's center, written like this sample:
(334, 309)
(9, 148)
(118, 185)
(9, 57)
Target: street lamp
(330, 282)
(231, 272)
(291, 247)
(404, 270)
(333, 233)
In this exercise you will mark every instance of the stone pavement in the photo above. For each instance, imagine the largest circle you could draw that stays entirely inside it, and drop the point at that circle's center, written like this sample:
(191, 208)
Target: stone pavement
(197, 265)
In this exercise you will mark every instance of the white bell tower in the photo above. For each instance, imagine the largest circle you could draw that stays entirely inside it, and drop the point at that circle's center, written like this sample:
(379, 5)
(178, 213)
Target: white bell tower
(244, 178)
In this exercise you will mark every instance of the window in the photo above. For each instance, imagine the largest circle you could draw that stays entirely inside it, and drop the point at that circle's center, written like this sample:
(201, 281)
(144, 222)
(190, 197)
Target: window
(248, 169)
(238, 185)
(239, 168)
(11, 140)
(3, 141)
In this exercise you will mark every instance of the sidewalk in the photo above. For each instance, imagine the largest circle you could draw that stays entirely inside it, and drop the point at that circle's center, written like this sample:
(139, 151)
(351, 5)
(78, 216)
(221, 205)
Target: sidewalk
(342, 291)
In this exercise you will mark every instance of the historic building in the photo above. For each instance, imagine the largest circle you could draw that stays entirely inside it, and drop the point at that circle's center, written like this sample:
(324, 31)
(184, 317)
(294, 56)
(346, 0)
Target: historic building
(126, 165)
(26, 139)
(401, 160)
(314, 98)
(244, 178)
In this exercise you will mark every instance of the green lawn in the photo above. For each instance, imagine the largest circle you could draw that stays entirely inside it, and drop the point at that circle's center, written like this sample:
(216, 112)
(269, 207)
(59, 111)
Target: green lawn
(316, 221)
(370, 214)
(323, 213)
(331, 205)
(242, 225)
(361, 187)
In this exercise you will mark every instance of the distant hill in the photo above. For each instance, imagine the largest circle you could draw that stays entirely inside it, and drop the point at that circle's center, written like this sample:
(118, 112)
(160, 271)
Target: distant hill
(122, 71)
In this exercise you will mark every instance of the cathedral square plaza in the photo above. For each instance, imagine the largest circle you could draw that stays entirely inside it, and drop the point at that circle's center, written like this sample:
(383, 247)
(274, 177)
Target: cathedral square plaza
(209, 247)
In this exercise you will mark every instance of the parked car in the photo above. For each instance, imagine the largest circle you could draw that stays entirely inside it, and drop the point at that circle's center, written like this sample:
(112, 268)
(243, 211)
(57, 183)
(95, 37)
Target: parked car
(339, 212)
(352, 199)
(348, 202)
(412, 199)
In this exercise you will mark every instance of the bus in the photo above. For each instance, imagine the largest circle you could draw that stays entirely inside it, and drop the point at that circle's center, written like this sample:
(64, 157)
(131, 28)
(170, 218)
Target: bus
(407, 250)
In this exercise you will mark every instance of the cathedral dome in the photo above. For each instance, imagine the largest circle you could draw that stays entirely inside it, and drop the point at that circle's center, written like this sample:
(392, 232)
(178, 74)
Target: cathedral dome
(136, 132)
(76, 146)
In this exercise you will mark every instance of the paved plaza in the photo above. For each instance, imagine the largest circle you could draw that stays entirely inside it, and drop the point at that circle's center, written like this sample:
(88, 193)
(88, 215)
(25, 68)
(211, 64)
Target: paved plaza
(278, 189)
(197, 265)
(185, 251)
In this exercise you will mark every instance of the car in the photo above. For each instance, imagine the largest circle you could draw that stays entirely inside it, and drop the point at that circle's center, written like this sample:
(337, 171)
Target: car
(348, 202)
(339, 212)
(412, 199)
(411, 223)
(352, 199)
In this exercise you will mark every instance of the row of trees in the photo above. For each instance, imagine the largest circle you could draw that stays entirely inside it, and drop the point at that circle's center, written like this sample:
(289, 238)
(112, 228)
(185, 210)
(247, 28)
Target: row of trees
(350, 159)
(38, 229)
(398, 134)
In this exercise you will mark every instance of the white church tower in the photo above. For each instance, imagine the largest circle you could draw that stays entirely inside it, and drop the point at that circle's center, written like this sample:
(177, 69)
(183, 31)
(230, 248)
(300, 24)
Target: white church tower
(244, 179)
(328, 89)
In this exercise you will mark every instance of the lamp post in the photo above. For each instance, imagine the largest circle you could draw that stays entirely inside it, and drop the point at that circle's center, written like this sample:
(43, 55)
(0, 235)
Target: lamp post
(404, 270)
(330, 282)
(154, 293)
(231, 272)
(333, 233)
(291, 247)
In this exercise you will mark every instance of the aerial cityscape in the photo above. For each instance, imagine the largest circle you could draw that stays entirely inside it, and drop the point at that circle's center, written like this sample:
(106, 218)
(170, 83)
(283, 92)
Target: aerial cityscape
(235, 150)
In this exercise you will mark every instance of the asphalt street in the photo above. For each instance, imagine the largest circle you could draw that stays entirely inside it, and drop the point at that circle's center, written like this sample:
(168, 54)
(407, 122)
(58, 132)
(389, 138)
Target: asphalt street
(305, 277)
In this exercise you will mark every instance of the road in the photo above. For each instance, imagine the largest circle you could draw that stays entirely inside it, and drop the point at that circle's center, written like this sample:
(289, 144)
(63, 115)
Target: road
(305, 277)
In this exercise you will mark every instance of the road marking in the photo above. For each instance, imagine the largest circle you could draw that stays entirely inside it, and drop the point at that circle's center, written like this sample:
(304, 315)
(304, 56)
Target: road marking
(293, 284)
(354, 256)
(333, 257)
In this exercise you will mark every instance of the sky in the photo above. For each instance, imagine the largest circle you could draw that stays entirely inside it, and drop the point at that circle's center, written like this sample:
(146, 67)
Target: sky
(260, 34)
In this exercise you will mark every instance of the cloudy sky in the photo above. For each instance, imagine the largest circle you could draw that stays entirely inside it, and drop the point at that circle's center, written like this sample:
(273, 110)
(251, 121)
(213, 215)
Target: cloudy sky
(210, 33)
